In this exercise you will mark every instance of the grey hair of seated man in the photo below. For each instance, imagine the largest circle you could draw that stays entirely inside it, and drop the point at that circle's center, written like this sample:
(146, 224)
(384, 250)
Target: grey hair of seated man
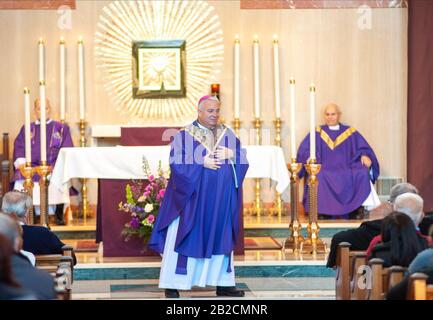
(17, 203)
(401, 188)
(410, 204)
(9, 229)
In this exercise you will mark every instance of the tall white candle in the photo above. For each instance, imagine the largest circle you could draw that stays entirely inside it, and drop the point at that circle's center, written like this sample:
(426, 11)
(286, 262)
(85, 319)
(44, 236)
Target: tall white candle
(62, 79)
(312, 122)
(292, 119)
(277, 79)
(237, 78)
(256, 78)
(43, 121)
(28, 147)
(81, 77)
(41, 50)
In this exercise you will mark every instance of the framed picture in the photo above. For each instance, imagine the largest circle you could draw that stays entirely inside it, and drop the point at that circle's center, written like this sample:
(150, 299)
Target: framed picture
(158, 69)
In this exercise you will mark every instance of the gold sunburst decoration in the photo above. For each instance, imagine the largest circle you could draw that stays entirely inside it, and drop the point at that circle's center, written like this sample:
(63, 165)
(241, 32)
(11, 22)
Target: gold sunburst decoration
(124, 22)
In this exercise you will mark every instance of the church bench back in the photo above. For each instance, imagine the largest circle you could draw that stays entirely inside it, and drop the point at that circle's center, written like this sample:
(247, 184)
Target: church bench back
(5, 166)
(383, 279)
(358, 280)
(418, 288)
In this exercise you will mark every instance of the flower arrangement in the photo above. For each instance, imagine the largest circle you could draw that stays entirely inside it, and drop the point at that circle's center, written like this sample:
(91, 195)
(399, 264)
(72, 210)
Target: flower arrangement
(143, 200)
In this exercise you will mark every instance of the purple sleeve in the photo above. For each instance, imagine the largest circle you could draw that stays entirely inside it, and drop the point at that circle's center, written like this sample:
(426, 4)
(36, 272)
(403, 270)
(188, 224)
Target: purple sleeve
(67, 139)
(364, 149)
(19, 145)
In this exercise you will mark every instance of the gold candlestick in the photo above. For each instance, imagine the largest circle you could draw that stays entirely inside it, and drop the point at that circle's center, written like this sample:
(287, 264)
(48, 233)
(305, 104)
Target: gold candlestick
(295, 239)
(313, 244)
(43, 171)
(28, 172)
(278, 207)
(236, 126)
(257, 206)
(84, 205)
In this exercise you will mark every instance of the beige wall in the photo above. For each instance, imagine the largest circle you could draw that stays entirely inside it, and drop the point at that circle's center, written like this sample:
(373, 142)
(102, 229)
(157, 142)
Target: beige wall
(364, 71)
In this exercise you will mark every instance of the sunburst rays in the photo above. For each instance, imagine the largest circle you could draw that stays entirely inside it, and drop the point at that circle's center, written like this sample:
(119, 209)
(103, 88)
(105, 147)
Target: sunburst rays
(123, 22)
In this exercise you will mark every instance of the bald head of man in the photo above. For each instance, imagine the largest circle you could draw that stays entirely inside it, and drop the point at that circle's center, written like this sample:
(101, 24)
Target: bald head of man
(37, 109)
(332, 114)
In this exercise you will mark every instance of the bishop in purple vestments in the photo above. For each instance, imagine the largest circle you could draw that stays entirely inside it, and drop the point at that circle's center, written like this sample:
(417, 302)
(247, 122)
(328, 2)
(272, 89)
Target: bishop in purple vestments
(198, 223)
(349, 167)
(58, 136)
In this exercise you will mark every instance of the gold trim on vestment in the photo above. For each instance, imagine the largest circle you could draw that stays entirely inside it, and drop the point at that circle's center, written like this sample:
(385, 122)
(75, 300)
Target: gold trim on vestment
(201, 135)
(340, 139)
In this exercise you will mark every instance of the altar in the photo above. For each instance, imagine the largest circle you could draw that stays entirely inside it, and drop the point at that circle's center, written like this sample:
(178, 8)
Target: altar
(115, 166)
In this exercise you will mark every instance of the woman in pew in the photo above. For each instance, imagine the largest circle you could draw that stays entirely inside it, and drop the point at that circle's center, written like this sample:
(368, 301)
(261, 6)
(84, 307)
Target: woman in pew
(9, 288)
(400, 241)
(422, 263)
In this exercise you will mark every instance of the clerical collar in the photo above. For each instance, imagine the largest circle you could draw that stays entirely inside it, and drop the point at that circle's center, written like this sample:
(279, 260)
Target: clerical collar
(334, 128)
(202, 126)
(38, 122)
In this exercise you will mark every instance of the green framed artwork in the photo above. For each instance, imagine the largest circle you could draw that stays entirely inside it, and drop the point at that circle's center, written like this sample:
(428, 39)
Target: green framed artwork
(158, 69)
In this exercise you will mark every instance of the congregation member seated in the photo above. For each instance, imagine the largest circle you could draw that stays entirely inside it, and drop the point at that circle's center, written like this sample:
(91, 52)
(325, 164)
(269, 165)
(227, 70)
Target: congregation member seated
(410, 204)
(9, 288)
(422, 263)
(360, 237)
(37, 239)
(39, 282)
(400, 243)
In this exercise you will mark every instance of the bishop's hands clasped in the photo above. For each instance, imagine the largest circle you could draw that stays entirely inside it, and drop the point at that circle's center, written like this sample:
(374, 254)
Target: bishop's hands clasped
(214, 160)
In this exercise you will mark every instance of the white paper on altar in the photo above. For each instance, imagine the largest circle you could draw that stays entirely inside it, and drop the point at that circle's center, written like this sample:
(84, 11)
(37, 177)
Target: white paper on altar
(127, 163)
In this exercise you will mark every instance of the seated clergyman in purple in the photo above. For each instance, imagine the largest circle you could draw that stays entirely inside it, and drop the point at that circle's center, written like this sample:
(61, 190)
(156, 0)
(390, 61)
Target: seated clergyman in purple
(349, 168)
(58, 136)
(198, 224)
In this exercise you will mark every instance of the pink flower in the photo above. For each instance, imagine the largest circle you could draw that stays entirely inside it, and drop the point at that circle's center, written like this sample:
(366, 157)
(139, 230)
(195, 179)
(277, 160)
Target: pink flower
(151, 218)
(151, 178)
(161, 193)
(146, 193)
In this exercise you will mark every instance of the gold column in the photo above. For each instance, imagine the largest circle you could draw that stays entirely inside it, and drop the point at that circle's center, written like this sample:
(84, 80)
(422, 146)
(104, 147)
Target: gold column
(28, 172)
(257, 206)
(313, 244)
(84, 205)
(43, 171)
(278, 207)
(295, 239)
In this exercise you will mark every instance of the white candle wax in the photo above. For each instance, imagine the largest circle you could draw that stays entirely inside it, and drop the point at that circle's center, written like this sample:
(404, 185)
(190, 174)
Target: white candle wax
(256, 79)
(28, 147)
(312, 122)
(292, 119)
(62, 79)
(81, 78)
(237, 79)
(43, 122)
(277, 80)
(41, 50)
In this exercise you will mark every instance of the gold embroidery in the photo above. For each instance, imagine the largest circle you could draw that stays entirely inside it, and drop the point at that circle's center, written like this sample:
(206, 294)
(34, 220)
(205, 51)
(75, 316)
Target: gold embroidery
(205, 137)
(340, 139)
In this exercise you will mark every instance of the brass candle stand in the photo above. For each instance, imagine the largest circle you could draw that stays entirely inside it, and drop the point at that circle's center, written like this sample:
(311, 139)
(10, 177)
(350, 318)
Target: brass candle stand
(28, 172)
(257, 205)
(295, 239)
(278, 207)
(84, 204)
(237, 126)
(313, 244)
(44, 170)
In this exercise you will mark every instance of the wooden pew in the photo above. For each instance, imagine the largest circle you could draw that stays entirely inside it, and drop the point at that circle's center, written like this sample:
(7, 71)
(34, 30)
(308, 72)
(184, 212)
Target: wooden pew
(383, 279)
(418, 288)
(5, 166)
(347, 266)
(359, 276)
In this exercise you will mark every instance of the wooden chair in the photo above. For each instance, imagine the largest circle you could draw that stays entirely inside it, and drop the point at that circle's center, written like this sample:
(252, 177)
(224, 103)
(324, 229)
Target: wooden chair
(418, 288)
(5, 166)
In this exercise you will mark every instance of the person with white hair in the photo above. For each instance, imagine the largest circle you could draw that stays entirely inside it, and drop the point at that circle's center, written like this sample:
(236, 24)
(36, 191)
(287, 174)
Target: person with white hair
(411, 205)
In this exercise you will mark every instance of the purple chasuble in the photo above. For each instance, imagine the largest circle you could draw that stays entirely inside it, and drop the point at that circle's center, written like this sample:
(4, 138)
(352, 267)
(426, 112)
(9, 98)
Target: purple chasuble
(344, 183)
(207, 201)
(58, 136)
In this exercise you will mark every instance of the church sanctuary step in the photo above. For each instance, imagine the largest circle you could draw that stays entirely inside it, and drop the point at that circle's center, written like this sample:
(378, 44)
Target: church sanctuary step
(244, 269)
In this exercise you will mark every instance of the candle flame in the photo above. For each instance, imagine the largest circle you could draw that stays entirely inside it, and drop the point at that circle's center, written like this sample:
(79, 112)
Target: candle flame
(275, 37)
(256, 39)
(62, 40)
(237, 38)
(41, 40)
(312, 88)
(42, 82)
(292, 80)
(26, 90)
(80, 40)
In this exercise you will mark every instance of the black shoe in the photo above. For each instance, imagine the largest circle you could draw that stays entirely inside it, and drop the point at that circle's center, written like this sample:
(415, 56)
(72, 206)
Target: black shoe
(172, 293)
(229, 292)
(59, 215)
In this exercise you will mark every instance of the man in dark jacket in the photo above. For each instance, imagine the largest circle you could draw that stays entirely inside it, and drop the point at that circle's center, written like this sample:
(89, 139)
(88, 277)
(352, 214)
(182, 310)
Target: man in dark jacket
(39, 282)
(37, 239)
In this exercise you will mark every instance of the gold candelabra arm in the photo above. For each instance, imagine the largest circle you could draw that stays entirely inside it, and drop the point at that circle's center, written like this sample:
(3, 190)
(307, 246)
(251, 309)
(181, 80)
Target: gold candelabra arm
(28, 172)
(278, 123)
(84, 204)
(278, 206)
(237, 126)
